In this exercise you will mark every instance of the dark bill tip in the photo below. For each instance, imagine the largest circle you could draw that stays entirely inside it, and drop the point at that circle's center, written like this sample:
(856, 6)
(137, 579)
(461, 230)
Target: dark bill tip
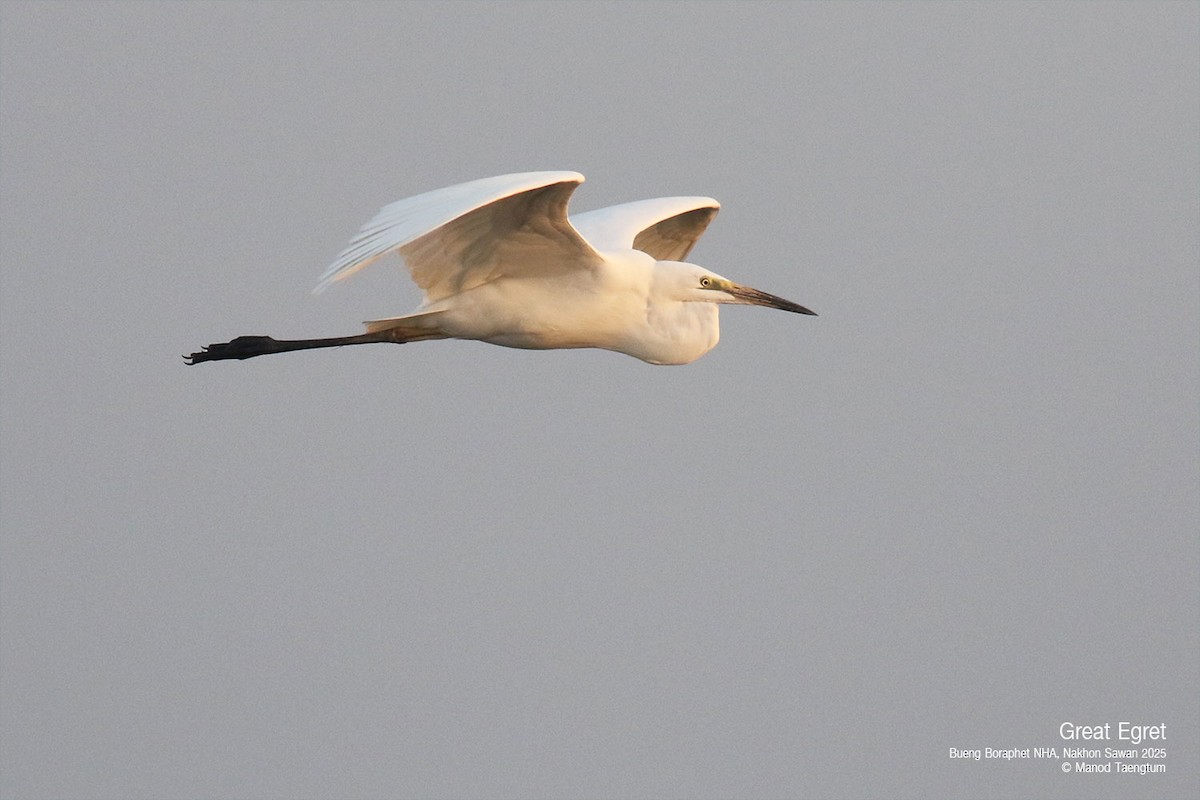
(756, 298)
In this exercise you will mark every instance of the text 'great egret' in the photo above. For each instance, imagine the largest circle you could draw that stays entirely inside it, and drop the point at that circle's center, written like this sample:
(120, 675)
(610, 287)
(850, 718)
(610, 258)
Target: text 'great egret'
(500, 262)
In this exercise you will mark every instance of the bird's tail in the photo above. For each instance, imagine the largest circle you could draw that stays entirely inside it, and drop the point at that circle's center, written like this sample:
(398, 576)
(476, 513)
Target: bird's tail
(421, 325)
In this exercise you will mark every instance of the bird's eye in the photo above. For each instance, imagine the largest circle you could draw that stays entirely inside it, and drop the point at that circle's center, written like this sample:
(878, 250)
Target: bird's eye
(706, 282)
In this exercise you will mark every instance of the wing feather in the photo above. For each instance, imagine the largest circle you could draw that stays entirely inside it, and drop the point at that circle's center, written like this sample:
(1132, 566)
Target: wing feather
(456, 238)
(666, 227)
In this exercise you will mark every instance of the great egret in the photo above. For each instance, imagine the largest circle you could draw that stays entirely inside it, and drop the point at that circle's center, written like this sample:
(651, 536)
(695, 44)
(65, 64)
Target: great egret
(500, 262)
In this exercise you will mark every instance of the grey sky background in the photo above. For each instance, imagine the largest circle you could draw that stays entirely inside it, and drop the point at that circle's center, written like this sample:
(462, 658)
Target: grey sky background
(957, 509)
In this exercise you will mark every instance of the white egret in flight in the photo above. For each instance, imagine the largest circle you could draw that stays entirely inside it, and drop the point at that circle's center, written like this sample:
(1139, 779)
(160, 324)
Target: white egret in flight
(499, 261)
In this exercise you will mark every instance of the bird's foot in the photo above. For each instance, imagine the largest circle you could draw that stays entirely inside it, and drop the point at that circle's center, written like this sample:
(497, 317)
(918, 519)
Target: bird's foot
(242, 347)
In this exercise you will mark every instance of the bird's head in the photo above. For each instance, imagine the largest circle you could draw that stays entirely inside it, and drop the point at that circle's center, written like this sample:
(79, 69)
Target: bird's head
(695, 284)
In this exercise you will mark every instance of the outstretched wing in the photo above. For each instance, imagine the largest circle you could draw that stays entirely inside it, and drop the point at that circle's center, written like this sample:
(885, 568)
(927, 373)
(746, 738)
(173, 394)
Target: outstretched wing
(463, 236)
(666, 228)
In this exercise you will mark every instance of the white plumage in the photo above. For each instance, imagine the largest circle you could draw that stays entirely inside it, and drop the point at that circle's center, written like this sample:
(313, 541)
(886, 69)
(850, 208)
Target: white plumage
(499, 260)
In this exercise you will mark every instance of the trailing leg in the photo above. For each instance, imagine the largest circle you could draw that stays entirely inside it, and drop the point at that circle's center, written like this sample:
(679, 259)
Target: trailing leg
(244, 347)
